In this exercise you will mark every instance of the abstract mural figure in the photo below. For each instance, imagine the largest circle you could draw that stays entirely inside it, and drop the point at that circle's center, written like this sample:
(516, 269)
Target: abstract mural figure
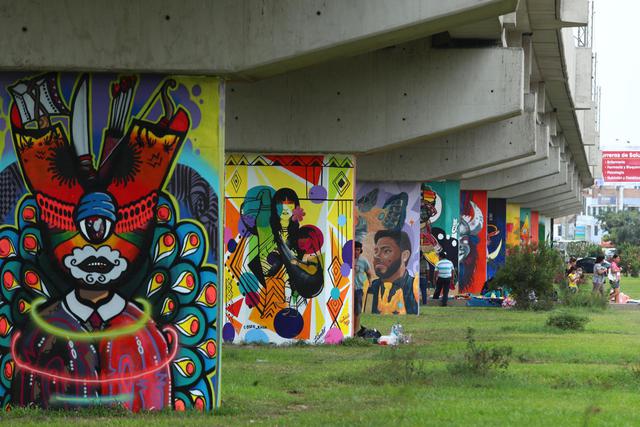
(496, 235)
(472, 249)
(108, 296)
(439, 213)
(429, 211)
(388, 226)
(288, 252)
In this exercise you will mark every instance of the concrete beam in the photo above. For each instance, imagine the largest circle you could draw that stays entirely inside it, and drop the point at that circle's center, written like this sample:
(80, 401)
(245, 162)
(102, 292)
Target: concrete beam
(453, 155)
(560, 194)
(570, 210)
(533, 186)
(571, 201)
(535, 197)
(542, 140)
(560, 198)
(375, 101)
(238, 38)
(517, 174)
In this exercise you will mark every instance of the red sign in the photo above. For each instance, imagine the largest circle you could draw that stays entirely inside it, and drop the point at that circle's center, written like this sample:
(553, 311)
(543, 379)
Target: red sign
(621, 166)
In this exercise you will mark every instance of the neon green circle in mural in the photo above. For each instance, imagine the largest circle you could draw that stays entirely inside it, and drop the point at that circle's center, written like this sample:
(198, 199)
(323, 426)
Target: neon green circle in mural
(90, 335)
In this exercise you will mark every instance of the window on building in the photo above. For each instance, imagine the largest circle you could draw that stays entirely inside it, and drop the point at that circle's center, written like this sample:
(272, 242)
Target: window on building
(595, 230)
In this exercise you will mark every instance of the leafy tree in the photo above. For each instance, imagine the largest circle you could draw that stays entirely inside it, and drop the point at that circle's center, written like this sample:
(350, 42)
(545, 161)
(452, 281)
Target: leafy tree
(622, 227)
(583, 249)
(629, 259)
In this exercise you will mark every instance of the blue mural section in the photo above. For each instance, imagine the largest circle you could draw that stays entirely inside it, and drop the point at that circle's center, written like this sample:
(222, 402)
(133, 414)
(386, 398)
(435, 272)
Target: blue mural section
(496, 236)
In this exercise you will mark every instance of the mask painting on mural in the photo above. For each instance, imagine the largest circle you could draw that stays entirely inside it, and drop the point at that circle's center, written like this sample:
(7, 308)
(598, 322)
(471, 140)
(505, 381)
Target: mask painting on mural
(109, 297)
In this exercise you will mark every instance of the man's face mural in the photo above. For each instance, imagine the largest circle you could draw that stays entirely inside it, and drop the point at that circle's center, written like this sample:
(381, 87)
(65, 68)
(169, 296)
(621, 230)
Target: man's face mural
(98, 211)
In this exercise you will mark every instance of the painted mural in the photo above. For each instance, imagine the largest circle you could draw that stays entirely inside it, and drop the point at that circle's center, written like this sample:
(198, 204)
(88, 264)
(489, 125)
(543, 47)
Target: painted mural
(388, 226)
(439, 217)
(542, 229)
(525, 226)
(109, 243)
(289, 248)
(472, 241)
(496, 235)
(513, 224)
(535, 227)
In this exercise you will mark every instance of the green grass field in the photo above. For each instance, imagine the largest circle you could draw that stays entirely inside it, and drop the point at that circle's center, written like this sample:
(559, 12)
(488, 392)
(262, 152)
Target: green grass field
(555, 378)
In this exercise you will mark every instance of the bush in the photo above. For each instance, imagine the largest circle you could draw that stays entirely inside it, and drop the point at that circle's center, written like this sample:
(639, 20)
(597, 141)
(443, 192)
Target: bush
(630, 259)
(583, 249)
(588, 300)
(567, 321)
(481, 360)
(529, 274)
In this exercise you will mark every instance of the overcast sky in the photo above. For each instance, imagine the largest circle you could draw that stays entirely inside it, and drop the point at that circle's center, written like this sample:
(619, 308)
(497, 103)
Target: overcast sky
(616, 33)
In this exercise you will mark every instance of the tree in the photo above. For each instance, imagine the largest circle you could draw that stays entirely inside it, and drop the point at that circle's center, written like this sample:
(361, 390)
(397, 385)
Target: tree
(529, 274)
(622, 227)
(583, 249)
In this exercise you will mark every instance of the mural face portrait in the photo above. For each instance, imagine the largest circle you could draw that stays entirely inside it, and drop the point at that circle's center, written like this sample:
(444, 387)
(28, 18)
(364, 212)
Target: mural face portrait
(106, 250)
(389, 231)
(389, 260)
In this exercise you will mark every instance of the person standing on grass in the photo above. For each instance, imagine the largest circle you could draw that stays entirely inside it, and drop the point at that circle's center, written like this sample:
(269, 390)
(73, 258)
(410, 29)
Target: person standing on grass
(599, 275)
(363, 273)
(444, 277)
(614, 277)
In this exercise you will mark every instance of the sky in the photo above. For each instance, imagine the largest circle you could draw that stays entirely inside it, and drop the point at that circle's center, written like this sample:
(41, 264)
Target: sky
(615, 41)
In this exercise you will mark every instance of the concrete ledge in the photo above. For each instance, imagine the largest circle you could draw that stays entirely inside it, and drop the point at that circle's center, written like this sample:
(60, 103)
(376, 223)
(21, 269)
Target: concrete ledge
(449, 157)
(241, 38)
(517, 174)
(375, 101)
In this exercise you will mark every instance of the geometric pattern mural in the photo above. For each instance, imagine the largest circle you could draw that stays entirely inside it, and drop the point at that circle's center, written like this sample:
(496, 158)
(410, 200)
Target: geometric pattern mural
(288, 240)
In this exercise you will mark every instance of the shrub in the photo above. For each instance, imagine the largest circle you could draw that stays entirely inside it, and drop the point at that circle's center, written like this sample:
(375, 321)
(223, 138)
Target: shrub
(630, 259)
(583, 299)
(529, 273)
(481, 360)
(567, 321)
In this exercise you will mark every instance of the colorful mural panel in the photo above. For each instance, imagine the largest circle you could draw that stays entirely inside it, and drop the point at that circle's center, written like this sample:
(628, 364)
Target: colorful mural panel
(289, 248)
(388, 226)
(439, 217)
(542, 229)
(472, 241)
(109, 248)
(496, 235)
(535, 227)
(513, 224)
(525, 226)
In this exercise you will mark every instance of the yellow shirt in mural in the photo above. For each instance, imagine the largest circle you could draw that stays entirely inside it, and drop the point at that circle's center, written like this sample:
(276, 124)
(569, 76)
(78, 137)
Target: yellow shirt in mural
(395, 305)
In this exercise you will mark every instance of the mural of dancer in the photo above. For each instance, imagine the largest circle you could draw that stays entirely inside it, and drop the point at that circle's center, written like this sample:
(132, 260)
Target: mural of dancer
(289, 254)
(388, 226)
(472, 238)
(110, 281)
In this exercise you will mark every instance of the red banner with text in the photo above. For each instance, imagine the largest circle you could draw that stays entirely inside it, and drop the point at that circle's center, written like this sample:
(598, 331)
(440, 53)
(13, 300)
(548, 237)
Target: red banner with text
(621, 166)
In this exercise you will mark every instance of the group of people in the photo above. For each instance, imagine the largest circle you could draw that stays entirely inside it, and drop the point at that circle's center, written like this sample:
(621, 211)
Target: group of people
(602, 271)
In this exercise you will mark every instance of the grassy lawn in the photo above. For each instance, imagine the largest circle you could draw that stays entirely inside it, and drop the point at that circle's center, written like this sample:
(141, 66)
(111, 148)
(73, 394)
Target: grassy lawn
(631, 286)
(555, 378)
